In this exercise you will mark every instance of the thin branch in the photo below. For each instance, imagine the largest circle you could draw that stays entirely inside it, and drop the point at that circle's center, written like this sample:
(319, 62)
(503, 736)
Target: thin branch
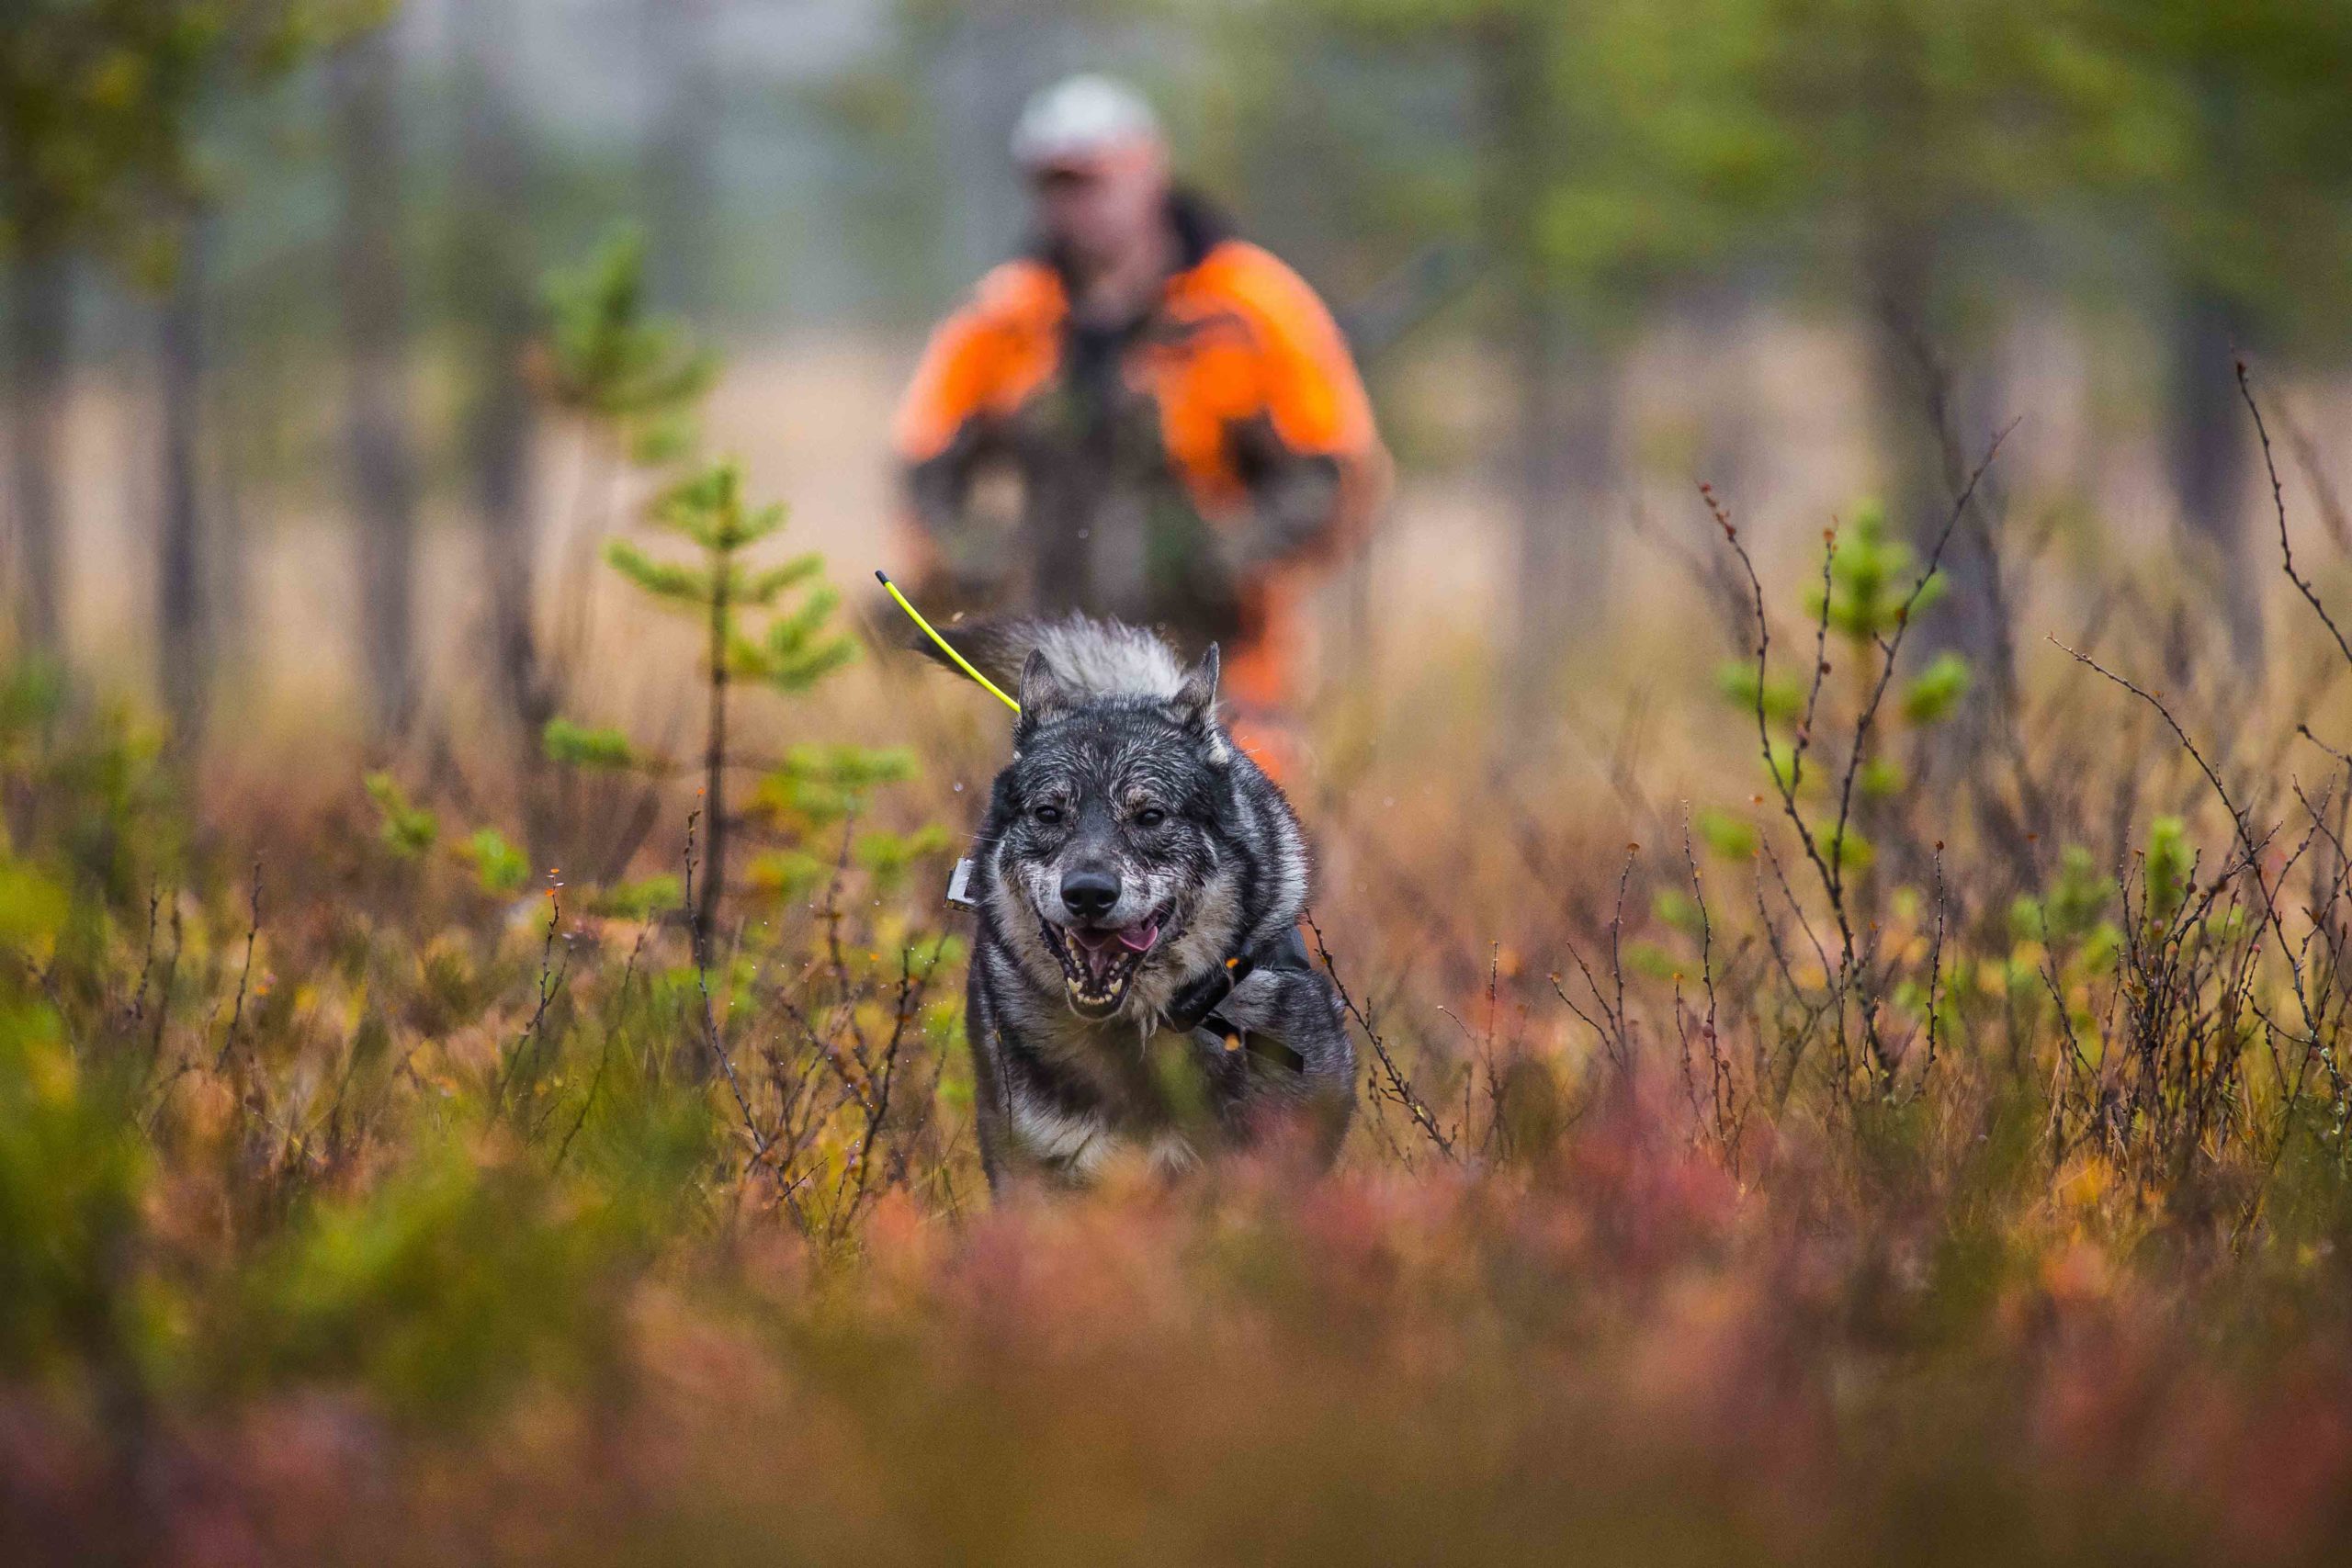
(2278, 504)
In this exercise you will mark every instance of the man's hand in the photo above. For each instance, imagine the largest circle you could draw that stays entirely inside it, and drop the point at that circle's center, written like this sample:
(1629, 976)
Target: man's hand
(1297, 503)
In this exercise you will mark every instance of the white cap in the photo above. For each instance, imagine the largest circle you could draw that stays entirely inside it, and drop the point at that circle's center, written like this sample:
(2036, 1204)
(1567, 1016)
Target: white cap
(1080, 117)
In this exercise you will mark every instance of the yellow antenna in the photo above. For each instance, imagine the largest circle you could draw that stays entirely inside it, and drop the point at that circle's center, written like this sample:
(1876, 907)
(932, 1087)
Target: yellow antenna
(944, 646)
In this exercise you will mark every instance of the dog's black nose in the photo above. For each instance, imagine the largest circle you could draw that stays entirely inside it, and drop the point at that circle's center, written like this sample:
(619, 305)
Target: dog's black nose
(1089, 892)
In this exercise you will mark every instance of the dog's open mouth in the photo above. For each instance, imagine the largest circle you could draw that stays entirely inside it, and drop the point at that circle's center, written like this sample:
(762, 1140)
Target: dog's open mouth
(1098, 963)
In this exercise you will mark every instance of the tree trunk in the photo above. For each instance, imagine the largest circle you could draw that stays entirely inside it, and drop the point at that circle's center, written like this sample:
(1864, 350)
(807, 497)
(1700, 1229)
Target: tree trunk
(1922, 436)
(1717, 315)
(2206, 441)
(1931, 435)
(680, 198)
(1562, 458)
(494, 270)
(714, 794)
(377, 422)
(996, 54)
(183, 589)
(41, 308)
(1562, 436)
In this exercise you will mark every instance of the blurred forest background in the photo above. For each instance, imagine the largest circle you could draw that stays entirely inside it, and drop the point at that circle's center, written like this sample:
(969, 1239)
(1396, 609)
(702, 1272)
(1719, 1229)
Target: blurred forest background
(1839, 1085)
(275, 451)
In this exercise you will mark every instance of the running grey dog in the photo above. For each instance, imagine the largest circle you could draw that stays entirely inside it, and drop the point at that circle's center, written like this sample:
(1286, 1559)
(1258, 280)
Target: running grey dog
(1138, 987)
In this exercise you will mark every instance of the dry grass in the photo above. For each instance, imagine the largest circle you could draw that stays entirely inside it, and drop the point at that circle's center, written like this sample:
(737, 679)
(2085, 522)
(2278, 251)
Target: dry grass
(1719, 1190)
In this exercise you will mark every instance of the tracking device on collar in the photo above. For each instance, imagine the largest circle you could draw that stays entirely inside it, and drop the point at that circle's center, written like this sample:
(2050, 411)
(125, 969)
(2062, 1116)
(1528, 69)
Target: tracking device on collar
(959, 884)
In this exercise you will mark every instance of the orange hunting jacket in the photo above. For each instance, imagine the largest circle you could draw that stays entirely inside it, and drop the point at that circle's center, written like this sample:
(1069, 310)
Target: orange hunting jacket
(1244, 380)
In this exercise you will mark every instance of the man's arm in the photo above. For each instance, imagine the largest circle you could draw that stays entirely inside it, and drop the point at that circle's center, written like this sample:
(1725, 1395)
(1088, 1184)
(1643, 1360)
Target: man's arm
(938, 487)
(1311, 459)
(978, 366)
(939, 437)
(1295, 497)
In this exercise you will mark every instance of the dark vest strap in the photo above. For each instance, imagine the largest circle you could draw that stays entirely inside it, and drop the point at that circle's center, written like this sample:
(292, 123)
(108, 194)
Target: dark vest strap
(1194, 1009)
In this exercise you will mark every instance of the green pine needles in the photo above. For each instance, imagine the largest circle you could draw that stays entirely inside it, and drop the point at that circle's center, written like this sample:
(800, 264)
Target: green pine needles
(768, 626)
(636, 386)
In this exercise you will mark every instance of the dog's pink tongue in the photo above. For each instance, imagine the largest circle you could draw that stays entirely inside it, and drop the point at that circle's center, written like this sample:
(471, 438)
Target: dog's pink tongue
(1138, 938)
(1097, 951)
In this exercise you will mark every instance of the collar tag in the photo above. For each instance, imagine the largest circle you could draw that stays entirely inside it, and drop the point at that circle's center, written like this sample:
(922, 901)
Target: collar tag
(959, 886)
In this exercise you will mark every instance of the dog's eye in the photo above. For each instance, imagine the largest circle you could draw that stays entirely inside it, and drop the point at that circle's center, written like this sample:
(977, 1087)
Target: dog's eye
(1048, 814)
(1150, 817)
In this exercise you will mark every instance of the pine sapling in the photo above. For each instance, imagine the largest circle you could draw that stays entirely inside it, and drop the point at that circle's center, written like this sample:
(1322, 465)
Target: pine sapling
(794, 651)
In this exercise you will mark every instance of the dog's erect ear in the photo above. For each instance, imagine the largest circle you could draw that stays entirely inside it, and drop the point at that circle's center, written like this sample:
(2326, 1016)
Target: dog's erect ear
(1195, 704)
(1043, 696)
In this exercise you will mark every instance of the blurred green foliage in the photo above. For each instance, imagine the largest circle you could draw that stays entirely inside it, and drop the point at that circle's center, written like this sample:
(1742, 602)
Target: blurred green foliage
(606, 359)
(408, 829)
(1654, 145)
(1873, 580)
(72, 1174)
(98, 106)
(583, 746)
(639, 383)
(1826, 730)
(2167, 869)
(498, 864)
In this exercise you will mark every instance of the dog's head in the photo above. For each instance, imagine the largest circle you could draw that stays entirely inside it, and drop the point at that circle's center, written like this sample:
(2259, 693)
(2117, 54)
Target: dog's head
(1106, 859)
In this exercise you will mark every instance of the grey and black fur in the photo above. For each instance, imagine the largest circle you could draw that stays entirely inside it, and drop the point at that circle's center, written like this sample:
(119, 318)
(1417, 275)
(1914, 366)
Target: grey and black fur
(1130, 850)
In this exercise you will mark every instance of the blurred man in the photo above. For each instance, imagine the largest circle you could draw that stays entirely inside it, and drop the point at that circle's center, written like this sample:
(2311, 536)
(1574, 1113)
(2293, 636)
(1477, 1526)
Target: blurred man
(1144, 417)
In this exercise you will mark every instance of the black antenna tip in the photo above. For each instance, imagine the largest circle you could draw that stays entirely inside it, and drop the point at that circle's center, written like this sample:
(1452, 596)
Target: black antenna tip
(881, 577)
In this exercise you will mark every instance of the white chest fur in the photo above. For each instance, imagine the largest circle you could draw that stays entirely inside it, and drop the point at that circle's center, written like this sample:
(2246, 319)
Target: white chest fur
(1084, 1144)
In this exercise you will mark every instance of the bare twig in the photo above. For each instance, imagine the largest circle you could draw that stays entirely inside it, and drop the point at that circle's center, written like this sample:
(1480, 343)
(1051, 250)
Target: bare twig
(2278, 504)
(1398, 1086)
(244, 976)
(760, 1140)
